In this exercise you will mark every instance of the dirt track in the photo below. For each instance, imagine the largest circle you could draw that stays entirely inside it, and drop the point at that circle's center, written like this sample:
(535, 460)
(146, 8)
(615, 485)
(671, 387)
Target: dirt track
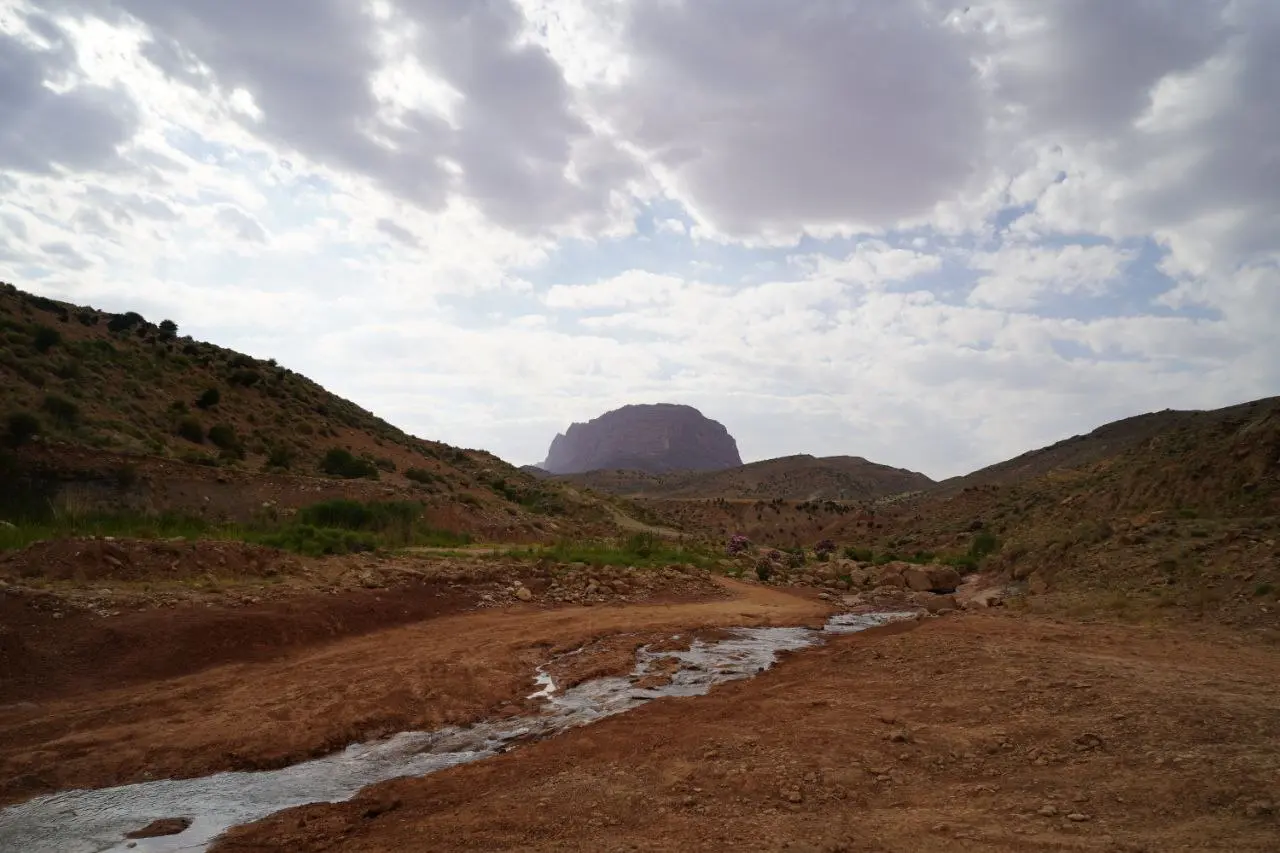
(301, 702)
(967, 733)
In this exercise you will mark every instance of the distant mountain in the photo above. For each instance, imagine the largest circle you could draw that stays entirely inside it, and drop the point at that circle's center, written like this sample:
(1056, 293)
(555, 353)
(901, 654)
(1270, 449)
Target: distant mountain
(655, 438)
(798, 478)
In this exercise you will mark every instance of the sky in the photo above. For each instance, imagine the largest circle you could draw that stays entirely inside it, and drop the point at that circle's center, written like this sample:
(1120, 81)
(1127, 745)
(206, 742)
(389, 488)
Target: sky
(934, 235)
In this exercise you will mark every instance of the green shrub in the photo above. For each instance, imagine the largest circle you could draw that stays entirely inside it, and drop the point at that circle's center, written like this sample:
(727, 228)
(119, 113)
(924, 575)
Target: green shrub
(339, 462)
(420, 475)
(210, 398)
(1264, 589)
(384, 464)
(223, 437)
(191, 430)
(319, 542)
(61, 409)
(45, 338)
(20, 428)
(168, 330)
(983, 544)
(642, 544)
(244, 378)
(355, 515)
(764, 570)
(280, 456)
(124, 322)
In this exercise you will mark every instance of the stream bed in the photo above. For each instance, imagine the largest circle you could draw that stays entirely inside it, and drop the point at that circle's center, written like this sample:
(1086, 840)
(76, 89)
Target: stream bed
(96, 821)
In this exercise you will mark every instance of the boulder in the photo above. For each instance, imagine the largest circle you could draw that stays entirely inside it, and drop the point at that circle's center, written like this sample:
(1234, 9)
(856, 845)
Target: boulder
(931, 578)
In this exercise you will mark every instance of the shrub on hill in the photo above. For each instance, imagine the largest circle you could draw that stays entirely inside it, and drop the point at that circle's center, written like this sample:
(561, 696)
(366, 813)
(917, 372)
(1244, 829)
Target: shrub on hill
(61, 409)
(339, 462)
(20, 428)
(190, 429)
(209, 398)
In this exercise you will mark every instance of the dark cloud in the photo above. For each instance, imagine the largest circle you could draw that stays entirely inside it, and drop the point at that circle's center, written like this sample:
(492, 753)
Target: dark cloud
(308, 65)
(42, 129)
(782, 114)
(397, 232)
(1089, 70)
(65, 254)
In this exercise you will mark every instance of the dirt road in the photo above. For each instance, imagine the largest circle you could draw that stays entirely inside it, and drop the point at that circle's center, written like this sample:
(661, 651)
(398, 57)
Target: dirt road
(299, 702)
(990, 733)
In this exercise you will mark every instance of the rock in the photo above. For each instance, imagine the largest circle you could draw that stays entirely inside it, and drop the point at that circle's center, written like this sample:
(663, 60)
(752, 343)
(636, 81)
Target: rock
(1047, 811)
(159, 828)
(1258, 808)
(524, 594)
(793, 795)
(654, 438)
(931, 578)
(1077, 817)
(940, 603)
(8, 525)
(1037, 584)
(900, 736)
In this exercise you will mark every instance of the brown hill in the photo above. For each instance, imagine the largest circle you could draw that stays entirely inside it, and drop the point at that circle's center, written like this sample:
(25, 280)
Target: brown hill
(122, 412)
(655, 438)
(792, 478)
(1175, 513)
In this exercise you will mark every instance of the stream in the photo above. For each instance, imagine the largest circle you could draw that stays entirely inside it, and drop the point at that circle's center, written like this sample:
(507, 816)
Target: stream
(96, 821)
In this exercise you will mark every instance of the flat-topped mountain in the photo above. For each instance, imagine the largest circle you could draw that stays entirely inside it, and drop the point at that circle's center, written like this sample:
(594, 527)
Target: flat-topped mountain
(655, 438)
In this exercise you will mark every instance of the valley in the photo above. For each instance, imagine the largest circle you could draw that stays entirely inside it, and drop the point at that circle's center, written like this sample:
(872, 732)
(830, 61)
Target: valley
(1085, 653)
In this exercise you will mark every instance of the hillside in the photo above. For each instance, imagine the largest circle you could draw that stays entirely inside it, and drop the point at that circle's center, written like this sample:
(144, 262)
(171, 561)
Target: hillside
(1176, 512)
(791, 478)
(114, 411)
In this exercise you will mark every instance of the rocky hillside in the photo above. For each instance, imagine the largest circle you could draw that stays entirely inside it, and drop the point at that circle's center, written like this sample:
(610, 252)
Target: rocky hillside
(653, 438)
(1180, 520)
(122, 411)
(790, 478)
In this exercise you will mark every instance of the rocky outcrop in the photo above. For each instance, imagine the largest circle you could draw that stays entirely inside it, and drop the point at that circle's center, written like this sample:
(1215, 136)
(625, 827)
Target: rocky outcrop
(655, 438)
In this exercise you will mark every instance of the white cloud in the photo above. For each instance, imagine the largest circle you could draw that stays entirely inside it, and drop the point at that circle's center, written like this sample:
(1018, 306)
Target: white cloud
(914, 231)
(1018, 277)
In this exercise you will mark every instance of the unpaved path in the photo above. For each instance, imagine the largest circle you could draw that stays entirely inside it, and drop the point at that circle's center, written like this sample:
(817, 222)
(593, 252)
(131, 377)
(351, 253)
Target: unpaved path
(304, 702)
(969, 733)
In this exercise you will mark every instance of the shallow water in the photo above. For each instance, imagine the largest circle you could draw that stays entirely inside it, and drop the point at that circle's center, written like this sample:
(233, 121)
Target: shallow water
(96, 821)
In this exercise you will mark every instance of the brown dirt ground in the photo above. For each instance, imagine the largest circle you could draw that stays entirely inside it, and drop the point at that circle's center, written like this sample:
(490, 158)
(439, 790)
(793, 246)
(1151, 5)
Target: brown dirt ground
(973, 732)
(303, 693)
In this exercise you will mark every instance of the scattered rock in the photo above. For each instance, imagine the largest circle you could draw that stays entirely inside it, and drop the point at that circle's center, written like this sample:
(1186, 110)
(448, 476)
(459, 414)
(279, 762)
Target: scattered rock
(524, 594)
(1047, 811)
(1258, 808)
(1078, 817)
(162, 827)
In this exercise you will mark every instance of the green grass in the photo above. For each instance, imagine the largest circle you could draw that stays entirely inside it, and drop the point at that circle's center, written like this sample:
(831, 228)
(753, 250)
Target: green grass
(642, 550)
(331, 527)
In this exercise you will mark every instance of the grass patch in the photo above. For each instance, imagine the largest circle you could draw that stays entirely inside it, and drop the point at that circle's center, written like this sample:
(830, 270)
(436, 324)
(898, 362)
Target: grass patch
(331, 527)
(644, 550)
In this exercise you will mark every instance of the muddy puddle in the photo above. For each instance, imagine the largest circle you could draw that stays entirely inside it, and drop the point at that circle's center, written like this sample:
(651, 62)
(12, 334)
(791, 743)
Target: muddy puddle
(97, 821)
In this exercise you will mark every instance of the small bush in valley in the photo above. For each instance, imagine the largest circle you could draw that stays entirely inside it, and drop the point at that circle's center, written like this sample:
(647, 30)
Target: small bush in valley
(764, 570)
(738, 544)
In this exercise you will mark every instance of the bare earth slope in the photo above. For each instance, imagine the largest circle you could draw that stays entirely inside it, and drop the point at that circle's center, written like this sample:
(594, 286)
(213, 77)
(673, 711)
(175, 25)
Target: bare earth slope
(792, 478)
(966, 734)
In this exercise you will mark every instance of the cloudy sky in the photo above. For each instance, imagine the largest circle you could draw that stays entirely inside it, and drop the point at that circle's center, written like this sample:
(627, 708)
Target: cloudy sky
(933, 235)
